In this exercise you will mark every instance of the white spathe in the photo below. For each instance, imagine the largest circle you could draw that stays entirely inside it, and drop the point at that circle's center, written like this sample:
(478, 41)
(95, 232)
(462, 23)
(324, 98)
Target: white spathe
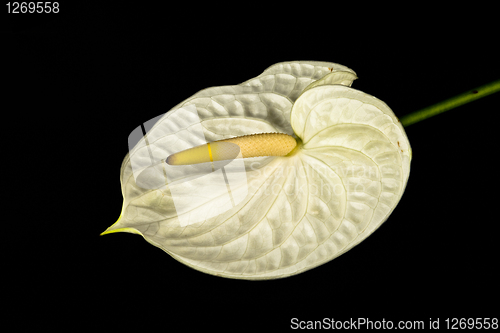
(300, 211)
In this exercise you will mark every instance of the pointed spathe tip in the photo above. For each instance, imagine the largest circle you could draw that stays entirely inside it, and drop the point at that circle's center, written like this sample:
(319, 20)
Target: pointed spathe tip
(129, 230)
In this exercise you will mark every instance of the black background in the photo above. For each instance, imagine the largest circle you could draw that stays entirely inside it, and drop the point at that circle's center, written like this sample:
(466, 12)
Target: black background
(78, 82)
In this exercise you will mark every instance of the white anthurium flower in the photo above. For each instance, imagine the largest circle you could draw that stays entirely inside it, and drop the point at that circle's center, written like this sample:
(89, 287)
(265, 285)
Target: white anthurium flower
(345, 175)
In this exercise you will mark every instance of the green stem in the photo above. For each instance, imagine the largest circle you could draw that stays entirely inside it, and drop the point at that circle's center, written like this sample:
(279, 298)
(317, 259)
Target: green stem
(451, 103)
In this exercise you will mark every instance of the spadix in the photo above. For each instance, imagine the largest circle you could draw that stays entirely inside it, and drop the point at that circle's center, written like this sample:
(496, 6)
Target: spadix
(254, 145)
